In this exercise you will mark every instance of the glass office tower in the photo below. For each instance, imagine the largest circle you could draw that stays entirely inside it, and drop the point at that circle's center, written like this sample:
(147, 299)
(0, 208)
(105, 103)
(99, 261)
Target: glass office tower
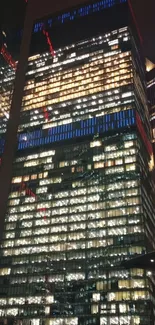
(151, 97)
(81, 198)
(7, 78)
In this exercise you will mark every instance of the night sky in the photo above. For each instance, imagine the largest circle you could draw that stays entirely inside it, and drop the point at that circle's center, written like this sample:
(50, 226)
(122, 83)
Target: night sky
(145, 14)
(12, 14)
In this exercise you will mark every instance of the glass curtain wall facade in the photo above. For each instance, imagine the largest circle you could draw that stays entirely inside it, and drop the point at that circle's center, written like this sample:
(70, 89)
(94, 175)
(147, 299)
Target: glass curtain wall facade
(81, 198)
(151, 96)
(7, 77)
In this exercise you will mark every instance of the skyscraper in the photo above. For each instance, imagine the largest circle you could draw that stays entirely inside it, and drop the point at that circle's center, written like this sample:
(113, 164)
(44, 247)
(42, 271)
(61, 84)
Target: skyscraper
(81, 198)
(7, 77)
(151, 95)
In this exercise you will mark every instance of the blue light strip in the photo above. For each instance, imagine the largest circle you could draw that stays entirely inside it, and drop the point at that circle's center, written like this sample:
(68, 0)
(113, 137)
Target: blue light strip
(83, 128)
(76, 13)
(89, 127)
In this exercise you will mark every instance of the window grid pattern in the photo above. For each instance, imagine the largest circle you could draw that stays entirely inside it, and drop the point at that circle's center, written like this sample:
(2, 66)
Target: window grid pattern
(77, 205)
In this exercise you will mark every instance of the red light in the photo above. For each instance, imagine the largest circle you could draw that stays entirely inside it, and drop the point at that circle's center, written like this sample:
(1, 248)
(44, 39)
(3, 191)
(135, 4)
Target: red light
(49, 42)
(135, 21)
(8, 58)
(46, 115)
(22, 187)
(43, 210)
(29, 192)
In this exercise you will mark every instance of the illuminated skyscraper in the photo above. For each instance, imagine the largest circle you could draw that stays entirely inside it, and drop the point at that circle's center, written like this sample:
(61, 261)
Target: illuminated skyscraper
(81, 198)
(151, 96)
(7, 77)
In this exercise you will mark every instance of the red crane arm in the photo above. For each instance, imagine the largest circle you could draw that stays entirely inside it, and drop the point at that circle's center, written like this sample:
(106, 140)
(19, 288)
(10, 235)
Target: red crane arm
(8, 58)
(49, 42)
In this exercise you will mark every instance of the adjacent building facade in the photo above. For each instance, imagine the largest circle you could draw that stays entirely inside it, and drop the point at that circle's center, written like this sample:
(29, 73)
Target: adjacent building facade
(81, 198)
(151, 96)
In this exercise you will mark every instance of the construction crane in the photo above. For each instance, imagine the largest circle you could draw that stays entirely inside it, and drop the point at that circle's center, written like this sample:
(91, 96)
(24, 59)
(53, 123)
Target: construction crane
(7, 57)
(48, 41)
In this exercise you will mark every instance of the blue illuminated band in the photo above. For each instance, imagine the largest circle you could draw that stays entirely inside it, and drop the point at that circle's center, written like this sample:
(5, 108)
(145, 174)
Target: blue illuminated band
(89, 127)
(80, 12)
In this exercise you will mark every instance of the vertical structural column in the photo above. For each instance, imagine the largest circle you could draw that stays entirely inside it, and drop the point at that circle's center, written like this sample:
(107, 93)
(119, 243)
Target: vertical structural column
(12, 128)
